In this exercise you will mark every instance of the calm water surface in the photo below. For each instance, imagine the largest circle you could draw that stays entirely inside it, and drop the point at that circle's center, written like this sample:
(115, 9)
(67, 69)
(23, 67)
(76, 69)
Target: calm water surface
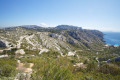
(112, 38)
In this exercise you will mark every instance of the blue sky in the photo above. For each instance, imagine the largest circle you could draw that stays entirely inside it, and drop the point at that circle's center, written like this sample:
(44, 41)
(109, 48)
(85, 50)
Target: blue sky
(103, 15)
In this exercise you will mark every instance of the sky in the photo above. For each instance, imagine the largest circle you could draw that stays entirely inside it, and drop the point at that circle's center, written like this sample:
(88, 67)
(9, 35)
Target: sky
(102, 15)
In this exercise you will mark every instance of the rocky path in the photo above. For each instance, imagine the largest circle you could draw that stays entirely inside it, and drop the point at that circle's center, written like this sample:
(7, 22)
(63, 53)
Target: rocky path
(25, 72)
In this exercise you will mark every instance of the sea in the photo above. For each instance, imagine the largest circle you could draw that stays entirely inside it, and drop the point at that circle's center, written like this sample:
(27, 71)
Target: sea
(112, 38)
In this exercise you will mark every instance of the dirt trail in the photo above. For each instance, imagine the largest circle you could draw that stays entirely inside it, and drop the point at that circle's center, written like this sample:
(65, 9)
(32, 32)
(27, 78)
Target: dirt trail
(25, 72)
(21, 67)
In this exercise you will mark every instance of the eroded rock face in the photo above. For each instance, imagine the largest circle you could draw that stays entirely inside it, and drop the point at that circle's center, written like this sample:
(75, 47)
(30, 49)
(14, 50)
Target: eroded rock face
(2, 44)
(60, 37)
(88, 38)
(71, 41)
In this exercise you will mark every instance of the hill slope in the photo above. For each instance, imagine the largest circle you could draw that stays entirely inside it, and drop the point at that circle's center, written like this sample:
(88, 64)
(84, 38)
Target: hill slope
(62, 38)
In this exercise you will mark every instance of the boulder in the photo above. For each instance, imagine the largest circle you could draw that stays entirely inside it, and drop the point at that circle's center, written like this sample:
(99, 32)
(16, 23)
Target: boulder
(20, 51)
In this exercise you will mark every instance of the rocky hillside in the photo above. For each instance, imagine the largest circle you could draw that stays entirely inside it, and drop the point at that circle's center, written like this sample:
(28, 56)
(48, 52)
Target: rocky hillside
(64, 52)
(63, 38)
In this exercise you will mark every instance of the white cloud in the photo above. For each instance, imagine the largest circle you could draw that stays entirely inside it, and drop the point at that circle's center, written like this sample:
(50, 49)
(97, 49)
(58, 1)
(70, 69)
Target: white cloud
(44, 24)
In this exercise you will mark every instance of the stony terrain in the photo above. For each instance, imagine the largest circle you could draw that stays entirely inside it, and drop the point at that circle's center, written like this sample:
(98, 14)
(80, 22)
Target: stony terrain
(69, 38)
(57, 53)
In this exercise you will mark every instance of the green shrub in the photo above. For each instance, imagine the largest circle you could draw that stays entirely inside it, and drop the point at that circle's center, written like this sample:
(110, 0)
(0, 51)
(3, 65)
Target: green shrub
(7, 70)
(110, 69)
(52, 69)
(7, 67)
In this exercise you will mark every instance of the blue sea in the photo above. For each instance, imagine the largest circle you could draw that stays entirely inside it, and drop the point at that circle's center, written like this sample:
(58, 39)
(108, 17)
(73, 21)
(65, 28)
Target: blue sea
(112, 38)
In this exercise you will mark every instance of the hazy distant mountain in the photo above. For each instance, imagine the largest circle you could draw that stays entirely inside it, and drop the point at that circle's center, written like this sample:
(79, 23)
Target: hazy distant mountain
(31, 26)
(68, 27)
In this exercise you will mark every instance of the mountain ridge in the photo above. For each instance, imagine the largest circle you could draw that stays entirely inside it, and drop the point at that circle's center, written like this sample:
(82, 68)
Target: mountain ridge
(63, 38)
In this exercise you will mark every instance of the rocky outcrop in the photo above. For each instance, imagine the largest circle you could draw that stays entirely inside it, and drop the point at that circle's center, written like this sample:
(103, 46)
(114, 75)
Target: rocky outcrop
(21, 51)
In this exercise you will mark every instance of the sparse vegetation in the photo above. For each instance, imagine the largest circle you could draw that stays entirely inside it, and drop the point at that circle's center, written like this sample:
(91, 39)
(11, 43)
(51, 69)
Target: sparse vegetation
(7, 68)
(88, 62)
